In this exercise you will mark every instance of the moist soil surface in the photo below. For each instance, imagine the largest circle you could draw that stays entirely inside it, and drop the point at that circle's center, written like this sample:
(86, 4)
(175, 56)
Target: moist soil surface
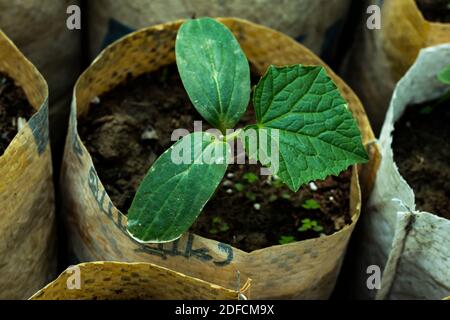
(421, 147)
(13, 105)
(127, 128)
(435, 10)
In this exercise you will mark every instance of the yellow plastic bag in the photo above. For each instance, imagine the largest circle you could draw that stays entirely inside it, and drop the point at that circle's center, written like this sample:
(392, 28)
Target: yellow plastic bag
(132, 281)
(296, 18)
(27, 237)
(380, 58)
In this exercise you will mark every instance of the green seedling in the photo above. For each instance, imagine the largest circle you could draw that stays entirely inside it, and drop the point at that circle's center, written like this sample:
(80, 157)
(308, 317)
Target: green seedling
(286, 196)
(286, 239)
(239, 187)
(296, 107)
(444, 77)
(250, 177)
(308, 224)
(277, 183)
(218, 225)
(250, 196)
(311, 204)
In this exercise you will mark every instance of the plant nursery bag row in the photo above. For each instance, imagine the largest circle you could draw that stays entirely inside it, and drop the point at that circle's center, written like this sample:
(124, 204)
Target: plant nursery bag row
(132, 281)
(39, 29)
(27, 228)
(110, 19)
(409, 244)
(380, 57)
(97, 230)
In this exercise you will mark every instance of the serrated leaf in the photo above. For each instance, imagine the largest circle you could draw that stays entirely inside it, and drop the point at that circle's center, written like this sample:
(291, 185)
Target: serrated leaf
(214, 71)
(444, 75)
(177, 187)
(301, 109)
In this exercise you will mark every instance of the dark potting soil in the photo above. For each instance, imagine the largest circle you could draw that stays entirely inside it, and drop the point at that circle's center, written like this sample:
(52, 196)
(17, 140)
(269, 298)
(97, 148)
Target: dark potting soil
(421, 147)
(127, 128)
(13, 105)
(435, 10)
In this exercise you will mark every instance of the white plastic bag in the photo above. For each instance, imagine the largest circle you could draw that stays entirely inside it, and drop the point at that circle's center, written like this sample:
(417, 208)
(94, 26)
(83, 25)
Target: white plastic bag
(410, 246)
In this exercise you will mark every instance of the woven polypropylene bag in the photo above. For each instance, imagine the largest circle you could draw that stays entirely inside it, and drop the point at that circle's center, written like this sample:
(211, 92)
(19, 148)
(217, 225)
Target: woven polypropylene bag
(27, 240)
(97, 230)
(131, 281)
(381, 57)
(410, 246)
(296, 18)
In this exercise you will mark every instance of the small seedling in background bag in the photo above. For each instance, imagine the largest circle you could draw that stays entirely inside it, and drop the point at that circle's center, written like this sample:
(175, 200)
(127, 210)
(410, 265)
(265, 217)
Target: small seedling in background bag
(311, 204)
(317, 135)
(286, 239)
(308, 224)
(218, 225)
(444, 77)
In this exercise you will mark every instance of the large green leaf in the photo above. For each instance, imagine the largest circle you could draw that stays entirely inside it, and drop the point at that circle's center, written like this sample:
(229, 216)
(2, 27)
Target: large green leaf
(317, 135)
(177, 187)
(214, 71)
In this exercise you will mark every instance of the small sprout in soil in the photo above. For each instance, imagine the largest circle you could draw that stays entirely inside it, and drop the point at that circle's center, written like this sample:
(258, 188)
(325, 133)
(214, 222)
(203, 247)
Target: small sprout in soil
(286, 196)
(216, 75)
(250, 196)
(286, 239)
(250, 177)
(426, 109)
(308, 224)
(239, 187)
(218, 225)
(273, 198)
(277, 183)
(311, 204)
(444, 77)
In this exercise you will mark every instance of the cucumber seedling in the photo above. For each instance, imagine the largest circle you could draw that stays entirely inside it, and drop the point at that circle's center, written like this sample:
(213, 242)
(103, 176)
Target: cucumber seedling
(444, 77)
(298, 109)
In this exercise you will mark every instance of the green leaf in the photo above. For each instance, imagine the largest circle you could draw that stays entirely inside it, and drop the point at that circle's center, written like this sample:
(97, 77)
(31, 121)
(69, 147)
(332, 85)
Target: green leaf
(426, 109)
(250, 196)
(239, 187)
(286, 239)
(306, 225)
(318, 228)
(311, 204)
(224, 227)
(303, 114)
(176, 188)
(250, 177)
(444, 75)
(214, 71)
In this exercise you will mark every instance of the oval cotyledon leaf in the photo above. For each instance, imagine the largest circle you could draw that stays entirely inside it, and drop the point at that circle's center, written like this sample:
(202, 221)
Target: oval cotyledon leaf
(214, 71)
(176, 188)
